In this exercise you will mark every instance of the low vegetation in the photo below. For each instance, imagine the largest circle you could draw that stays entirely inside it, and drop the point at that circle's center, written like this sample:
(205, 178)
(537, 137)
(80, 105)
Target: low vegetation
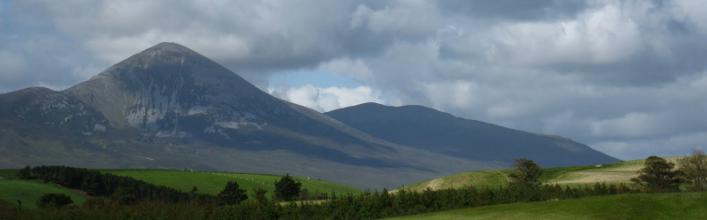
(54, 200)
(618, 173)
(213, 182)
(526, 185)
(629, 206)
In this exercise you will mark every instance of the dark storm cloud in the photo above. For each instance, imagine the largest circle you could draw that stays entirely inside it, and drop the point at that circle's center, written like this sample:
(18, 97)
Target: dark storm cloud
(627, 77)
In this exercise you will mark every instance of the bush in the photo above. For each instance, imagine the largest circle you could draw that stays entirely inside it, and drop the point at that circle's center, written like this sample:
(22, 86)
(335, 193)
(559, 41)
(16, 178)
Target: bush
(54, 200)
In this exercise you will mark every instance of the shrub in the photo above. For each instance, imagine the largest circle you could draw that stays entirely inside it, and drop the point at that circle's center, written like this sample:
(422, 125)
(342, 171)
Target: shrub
(54, 200)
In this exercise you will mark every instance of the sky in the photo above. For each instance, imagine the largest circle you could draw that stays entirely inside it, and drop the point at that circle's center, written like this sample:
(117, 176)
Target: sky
(628, 78)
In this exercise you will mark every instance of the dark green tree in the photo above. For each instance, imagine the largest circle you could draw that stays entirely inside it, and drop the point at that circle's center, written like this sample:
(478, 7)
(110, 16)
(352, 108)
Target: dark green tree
(524, 182)
(526, 174)
(658, 175)
(287, 188)
(54, 200)
(232, 194)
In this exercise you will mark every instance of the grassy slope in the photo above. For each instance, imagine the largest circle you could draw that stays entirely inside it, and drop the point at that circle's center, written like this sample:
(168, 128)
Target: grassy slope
(213, 182)
(620, 172)
(12, 189)
(631, 206)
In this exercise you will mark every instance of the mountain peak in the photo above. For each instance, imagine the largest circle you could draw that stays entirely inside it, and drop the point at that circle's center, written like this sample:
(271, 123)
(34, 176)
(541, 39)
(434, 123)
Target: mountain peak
(169, 47)
(169, 52)
(169, 60)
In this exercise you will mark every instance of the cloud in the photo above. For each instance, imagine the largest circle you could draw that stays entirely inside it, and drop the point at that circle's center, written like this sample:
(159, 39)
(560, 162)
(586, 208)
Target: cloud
(328, 98)
(626, 76)
(11, 65)
(348, 67)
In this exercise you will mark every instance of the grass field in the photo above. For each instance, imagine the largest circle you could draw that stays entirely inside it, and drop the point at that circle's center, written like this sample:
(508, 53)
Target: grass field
(29, 192)
(621, 172)
(630, 206)
(213, 182)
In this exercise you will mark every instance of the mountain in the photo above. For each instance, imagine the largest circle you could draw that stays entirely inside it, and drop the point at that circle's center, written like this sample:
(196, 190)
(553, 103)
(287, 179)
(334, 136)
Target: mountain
(439, 132)
(171, 107)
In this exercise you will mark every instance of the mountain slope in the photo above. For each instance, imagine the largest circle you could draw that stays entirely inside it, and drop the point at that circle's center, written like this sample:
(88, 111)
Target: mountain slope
(432, 130)
(170, 107)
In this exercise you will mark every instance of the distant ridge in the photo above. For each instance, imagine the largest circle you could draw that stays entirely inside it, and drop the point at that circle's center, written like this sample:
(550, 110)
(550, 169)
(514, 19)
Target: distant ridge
(428, 129)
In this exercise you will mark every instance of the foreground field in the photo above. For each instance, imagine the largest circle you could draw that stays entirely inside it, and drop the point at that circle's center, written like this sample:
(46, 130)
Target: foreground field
(631, 206)
(621, 172)
(213, 182)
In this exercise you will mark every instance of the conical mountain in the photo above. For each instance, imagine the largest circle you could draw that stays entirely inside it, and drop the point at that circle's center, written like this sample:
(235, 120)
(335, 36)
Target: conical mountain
(169, 90)
(150, 89)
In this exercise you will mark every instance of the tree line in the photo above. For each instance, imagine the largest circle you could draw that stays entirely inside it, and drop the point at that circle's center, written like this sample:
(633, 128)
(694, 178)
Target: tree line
(127, 190)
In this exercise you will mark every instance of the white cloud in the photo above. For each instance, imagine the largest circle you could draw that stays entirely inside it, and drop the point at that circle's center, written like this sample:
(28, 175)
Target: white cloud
(327, 98)
(605, 35)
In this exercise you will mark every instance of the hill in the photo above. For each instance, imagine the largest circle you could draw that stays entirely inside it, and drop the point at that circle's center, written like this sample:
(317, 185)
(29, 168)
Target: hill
(628, 206)
(620, 172)
(28, 192)
(428, 129)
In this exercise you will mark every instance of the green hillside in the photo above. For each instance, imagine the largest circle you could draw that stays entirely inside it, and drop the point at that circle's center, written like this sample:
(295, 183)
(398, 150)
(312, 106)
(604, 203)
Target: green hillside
(628, 206)
(213, 182)
(28, 192)
(621, 172)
